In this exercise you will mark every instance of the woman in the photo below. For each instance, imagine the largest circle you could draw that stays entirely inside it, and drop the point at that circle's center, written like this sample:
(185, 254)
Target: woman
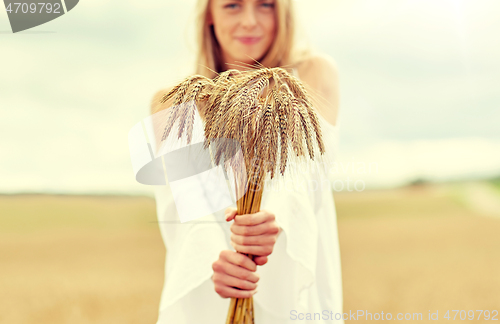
(296, 268)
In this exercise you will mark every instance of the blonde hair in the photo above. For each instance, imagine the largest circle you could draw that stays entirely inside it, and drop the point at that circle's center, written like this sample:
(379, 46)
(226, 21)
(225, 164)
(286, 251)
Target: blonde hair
(283, 51)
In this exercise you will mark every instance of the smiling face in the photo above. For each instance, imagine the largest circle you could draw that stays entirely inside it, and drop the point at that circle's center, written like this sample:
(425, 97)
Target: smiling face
(244, 28)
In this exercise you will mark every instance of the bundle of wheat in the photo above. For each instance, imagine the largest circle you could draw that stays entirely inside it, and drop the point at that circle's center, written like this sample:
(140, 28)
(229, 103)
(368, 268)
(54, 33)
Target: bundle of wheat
(268, 111)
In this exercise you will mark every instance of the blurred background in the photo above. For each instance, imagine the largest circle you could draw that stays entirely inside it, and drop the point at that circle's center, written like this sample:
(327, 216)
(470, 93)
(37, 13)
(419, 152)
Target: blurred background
(420, 99)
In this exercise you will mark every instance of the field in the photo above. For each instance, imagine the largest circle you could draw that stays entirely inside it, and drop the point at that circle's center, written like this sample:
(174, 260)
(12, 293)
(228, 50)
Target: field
(91, 259)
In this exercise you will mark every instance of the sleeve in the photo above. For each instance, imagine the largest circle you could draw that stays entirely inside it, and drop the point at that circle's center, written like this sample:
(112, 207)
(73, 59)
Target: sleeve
(295, 250)
(191, 248)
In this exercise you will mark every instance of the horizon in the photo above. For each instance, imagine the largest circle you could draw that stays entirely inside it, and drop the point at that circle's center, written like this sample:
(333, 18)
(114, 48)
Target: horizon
(417, 89)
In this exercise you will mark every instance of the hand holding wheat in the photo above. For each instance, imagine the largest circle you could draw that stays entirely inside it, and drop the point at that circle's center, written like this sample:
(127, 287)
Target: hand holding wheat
(254, 234)
(234, 275)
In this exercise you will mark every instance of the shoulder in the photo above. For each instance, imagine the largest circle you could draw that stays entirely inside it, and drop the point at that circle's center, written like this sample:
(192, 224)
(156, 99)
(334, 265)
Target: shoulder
(320, 75)
(155, 100)
(318, 63)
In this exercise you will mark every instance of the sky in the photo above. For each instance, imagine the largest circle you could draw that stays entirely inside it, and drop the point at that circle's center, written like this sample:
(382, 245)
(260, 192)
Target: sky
(419, 89)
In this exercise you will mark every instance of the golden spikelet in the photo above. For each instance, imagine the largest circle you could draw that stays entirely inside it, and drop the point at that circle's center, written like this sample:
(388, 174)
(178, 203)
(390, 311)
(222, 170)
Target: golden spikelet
(273, 142)
(190, 120)
(189, 112)
(297, 87)
(264, 149)
(315, 125)
(169, 94)
(183, 111)
(181, 92)
(256, 90)
(306, 128)
(283, 114)
(172, 117)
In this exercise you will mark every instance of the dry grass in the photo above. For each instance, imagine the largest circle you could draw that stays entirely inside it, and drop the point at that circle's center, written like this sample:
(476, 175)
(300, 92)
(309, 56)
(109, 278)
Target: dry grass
(417, 249)
(100, 259)
(73, 259)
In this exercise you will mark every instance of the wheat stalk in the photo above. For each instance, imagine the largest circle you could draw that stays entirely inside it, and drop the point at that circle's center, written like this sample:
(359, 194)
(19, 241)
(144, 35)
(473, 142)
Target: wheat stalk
(267, 111)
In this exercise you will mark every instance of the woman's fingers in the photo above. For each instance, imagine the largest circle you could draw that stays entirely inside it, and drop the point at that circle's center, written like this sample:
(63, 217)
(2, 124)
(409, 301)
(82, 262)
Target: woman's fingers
(249, 219)
(260, 260)
(257, 245)
(230, 213)
(229, 292)
(250, 230)
(254, 239)
(234, 275)
(238, 259)
(254, 219)
(230, 281)
(254, 234)
(241, 273)
(260, 250)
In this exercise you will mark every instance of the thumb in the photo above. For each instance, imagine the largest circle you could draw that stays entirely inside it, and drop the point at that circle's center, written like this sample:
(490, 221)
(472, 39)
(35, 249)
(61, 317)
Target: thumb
(260, 260)
(230, 213)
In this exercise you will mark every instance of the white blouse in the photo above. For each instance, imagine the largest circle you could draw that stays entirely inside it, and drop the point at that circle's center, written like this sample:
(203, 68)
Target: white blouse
(302, 279)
